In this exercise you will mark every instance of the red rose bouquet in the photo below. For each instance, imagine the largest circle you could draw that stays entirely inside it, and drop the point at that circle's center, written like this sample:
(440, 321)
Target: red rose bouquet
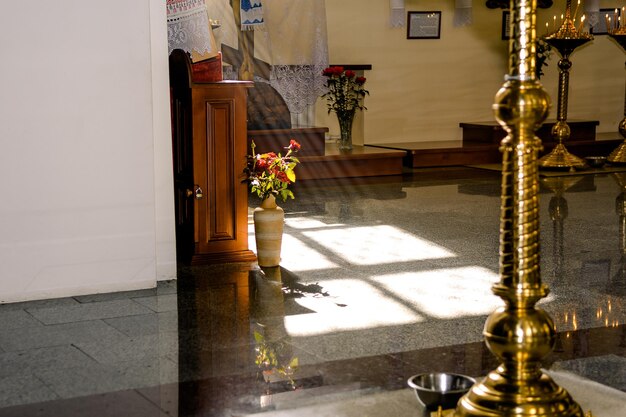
(271, 174)
(346, 91)
(345, 95)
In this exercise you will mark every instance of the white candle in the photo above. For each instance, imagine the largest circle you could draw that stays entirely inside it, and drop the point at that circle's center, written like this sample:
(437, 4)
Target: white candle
(582, 21)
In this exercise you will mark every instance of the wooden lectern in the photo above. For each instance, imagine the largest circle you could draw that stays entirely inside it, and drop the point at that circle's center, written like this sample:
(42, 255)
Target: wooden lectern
(209, 149)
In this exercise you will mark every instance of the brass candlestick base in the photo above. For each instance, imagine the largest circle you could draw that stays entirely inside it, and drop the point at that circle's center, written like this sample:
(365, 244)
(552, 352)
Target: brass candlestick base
(561, 158)
(565, 40)
(618, 156)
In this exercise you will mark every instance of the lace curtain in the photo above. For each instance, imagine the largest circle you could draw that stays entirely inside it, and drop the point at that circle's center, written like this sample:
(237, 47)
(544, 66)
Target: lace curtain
(298, 50)
(188, 27)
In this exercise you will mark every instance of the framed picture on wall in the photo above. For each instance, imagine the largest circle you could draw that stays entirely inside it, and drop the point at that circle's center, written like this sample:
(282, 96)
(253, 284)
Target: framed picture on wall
(506, 25)
(603, 17)
(423, 25)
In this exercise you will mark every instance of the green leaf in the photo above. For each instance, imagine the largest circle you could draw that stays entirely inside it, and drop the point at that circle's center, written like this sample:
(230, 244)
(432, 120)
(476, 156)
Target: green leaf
(294, 363)
(290, 174)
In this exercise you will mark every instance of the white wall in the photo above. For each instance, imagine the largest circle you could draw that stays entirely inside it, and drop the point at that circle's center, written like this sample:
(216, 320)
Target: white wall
(79, 136)
(163, 169)
(421, 89)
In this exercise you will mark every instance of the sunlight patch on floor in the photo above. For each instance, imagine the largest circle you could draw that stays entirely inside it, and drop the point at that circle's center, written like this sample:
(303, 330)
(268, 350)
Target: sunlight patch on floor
(374, 245)
(298, 256)
(446, 293)
(306, 223)
(352, 304)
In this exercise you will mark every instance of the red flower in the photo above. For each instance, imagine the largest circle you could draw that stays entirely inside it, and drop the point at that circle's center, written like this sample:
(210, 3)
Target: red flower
(261, 165)
(331, 71)
(293, 145)
(350, 74)
(282, 177)
(360, 80)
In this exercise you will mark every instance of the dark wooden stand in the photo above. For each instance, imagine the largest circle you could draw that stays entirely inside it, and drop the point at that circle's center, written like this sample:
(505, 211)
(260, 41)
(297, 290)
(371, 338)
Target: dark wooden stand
(209, 147)
(481, 142)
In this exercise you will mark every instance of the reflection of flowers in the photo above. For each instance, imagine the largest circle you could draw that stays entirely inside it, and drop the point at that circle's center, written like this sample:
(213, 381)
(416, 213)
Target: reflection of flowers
(271, 174)
(271, 357)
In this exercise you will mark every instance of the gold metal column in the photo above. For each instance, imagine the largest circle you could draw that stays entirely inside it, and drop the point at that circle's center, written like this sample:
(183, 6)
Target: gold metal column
(618, 156)
(519, 334)
(565, 40)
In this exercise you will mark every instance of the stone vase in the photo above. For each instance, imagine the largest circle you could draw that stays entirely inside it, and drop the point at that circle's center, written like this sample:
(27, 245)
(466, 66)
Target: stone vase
(269, 220)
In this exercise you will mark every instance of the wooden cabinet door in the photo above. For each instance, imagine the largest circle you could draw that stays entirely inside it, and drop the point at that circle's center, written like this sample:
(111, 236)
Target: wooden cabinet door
(219, 149)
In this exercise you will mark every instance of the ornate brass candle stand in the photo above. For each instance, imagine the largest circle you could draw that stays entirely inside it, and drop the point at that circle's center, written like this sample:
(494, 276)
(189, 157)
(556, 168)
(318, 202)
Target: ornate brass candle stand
(520, 334)
(565, 40)
(618, 156)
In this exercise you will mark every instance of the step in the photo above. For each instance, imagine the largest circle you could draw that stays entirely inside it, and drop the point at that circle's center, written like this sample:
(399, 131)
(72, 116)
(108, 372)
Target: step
(452, 153)
(361, 161)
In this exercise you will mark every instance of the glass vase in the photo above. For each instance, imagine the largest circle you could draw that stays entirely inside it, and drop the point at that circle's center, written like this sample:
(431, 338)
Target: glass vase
(345, 130)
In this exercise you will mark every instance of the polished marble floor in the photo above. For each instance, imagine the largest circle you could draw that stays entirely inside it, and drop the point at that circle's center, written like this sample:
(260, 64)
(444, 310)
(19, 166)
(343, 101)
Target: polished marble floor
(380, 279)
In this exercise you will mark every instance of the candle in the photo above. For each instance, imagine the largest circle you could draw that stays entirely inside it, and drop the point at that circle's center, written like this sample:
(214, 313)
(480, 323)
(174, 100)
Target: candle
(607, 19)
(582, 21)
(576, 12)
(554, 24)
(547, 28)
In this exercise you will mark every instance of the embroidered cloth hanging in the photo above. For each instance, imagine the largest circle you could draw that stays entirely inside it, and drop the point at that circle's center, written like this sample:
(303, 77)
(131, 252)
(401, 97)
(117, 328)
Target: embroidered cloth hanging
(251, 12)
(592, 10)
(188, 27)
(462, 13)
(397, 16)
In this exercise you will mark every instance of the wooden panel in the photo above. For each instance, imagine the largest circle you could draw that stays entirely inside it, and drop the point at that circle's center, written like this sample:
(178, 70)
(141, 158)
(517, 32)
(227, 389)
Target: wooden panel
(220, 187)
(219, 162)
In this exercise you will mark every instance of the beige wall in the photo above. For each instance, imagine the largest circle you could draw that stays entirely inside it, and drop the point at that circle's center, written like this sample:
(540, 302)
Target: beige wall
(421, 89)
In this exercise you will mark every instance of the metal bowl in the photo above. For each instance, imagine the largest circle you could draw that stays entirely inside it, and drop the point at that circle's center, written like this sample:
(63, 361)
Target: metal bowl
(440, 389)
(596, 161)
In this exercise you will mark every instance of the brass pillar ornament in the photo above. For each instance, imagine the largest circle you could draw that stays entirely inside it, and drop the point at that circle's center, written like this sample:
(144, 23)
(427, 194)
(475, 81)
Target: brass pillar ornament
(565, 40)
(618, 156)
(519, 334)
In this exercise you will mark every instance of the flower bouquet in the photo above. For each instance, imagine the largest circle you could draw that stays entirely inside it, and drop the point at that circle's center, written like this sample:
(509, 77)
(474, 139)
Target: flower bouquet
(269, 175)
(345, 95)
